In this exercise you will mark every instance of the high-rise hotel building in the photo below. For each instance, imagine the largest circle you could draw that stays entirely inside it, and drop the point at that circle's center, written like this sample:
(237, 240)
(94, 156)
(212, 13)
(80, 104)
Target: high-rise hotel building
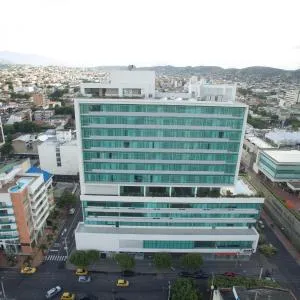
(152, 172)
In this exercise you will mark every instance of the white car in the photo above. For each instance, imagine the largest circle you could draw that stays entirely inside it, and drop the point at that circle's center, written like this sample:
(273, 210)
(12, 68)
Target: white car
(84, 279)
(53, 292)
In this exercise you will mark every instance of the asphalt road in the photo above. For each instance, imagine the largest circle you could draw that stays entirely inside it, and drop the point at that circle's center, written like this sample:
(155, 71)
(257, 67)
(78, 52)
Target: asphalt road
(65, 242)
(34, 287)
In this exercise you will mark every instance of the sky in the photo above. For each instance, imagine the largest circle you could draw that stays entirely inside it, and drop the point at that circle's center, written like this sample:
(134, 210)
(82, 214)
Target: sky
(226, 33)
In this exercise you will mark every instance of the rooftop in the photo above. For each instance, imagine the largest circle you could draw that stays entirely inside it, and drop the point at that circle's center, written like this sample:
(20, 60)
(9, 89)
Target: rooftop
(36, 170)
(260, 143)
(164, 231)
(284, 156)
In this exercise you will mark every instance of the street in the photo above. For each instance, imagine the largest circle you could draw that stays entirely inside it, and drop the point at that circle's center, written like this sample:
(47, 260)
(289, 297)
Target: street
(34, 287)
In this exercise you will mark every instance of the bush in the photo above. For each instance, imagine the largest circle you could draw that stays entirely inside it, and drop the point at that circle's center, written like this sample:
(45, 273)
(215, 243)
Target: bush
(228, 282)
(268, 250)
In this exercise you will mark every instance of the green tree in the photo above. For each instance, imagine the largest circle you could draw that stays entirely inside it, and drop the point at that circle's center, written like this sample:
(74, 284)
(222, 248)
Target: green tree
(67, 200)
(6, 149)
(268, 250)
(125, 261)
(93, 255)
(82, 259)
(184, 289)
(162, 261)
(79, 259)
(191, 261)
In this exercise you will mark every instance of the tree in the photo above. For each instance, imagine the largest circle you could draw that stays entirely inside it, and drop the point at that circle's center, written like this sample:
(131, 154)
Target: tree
(162, 261)
(184, 289)
(191, 261)
(43, 247)
(79, 259)
(6, 149)
(84, 258)
(93, 255)
(125, 261)
(67, 200)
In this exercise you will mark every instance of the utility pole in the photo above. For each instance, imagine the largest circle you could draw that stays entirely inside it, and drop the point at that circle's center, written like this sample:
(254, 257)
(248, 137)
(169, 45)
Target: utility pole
(169, 291)
(2, 287)
(261, 271)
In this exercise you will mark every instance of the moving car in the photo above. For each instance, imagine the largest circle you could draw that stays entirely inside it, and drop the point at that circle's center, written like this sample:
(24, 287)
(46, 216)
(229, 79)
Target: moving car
(28, 270)
(197, 275)
(67, 296)
(122, 283)
(81, 272)
(84, 279)
(53, 292)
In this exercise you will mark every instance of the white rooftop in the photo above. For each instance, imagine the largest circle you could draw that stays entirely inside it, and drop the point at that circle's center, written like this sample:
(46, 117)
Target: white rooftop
(282, 137)
(284, 156)
(260, 143)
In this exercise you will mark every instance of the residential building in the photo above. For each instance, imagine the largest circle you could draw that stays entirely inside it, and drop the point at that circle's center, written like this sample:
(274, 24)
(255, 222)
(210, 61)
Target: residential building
(27, 144)
(204, 91)
(59, 155)
(48, 180)
(40, 100)
(43, 115)
(23, 115)
(119, 84)
(151, 175)
(24, 208)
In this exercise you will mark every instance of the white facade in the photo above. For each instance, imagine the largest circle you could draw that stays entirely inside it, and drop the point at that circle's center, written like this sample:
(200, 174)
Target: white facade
(59, 158)
(140, 84)
(211, 92)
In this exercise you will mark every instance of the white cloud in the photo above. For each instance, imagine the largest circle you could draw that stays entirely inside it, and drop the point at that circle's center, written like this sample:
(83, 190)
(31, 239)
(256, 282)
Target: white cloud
(191, 32)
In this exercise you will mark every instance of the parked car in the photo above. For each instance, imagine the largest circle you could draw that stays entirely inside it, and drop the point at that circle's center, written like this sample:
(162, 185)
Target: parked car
(230, 274)
(128, 273)
(53, 292)
(84, 279)
(122, 283)
(71, 211)
(185, 274)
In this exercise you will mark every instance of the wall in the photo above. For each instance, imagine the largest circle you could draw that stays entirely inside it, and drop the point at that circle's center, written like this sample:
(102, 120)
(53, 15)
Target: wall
(69, 158)
(22, 215)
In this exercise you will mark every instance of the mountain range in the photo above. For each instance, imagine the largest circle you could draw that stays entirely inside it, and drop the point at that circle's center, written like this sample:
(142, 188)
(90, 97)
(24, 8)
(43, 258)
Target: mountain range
(8, 57)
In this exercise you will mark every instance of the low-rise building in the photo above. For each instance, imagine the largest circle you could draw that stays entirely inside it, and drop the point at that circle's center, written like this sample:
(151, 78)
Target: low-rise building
(27, 144)
(59, 155)
(43, 115)
(23, 115)
(279, 165)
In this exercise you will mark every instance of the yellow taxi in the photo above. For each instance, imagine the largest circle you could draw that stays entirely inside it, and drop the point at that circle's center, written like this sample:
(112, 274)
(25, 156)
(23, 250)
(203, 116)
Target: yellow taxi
(81, 272)
(67, 296)
(28, 270)
(122, 283)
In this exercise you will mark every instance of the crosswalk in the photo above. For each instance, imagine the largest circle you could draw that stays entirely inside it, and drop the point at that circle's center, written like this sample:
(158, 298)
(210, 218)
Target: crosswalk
(56, 258)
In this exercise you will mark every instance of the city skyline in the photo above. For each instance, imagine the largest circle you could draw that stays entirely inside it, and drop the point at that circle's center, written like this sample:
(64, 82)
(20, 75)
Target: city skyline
(89, 33)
